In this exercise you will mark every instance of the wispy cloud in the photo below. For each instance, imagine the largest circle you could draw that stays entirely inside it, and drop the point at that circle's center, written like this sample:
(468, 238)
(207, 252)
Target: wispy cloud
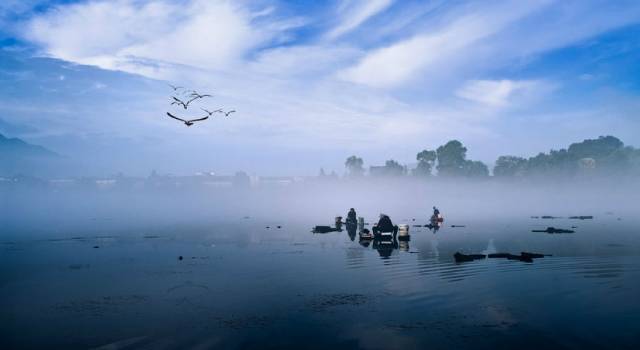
(503, 93)
(355, 12)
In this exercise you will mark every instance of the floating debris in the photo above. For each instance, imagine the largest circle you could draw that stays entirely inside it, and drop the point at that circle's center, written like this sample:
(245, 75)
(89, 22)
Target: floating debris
(458, 226)
(554, 230)
(534, 255)
(324, 229)
(180, 257)
(459, 257)
(581, 217)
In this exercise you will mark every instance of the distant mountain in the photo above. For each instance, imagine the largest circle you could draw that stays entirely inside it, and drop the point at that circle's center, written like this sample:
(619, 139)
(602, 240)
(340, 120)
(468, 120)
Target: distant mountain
(15, 147)
(20, 157)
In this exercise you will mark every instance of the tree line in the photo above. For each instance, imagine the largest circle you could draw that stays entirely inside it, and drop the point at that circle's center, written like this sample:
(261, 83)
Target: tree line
(606, 156)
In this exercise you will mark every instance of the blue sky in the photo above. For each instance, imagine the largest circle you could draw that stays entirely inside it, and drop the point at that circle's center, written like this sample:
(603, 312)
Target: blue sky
(315, 81)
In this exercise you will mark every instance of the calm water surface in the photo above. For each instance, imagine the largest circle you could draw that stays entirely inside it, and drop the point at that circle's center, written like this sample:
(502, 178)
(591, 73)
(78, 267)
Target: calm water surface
(243, 286)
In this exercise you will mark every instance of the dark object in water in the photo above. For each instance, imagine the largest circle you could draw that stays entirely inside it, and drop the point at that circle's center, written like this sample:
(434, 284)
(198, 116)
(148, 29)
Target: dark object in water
(417, 225)
(268, 227)
(323, 229)
(554, 230)
(522, 258)
(459, 257)
(458, 226)
(549, 217)
(413, 219)
(279, 226)
(499, 255)
(96, 246)
(180, 257)
(582, 217)
(366, 234)
(533, 255)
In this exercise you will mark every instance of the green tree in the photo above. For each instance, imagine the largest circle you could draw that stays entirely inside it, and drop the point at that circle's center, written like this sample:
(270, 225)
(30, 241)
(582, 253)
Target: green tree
(451, 158)
(510, 166)
(355, 166)
(475, 169)
(426, 160)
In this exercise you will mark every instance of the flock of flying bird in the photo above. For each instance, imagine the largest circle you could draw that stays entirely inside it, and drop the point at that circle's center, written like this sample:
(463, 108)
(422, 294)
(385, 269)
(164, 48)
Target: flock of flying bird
(192, 95)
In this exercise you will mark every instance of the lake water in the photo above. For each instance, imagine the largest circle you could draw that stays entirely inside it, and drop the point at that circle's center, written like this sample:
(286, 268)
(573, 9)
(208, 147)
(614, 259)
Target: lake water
(243, 286)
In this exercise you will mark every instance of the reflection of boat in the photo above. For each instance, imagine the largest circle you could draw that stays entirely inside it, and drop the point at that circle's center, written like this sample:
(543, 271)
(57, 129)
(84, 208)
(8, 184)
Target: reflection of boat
(384, 235)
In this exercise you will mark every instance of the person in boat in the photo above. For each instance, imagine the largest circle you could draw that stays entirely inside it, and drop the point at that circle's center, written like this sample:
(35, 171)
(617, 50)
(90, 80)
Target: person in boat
(352, 217)
(385, 225)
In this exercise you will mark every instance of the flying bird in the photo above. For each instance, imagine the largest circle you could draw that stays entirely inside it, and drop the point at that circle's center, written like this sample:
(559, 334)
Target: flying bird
(179, 102)
(187, 122)
(211, 112)
(176, 88)
(197, 95)
(226, 114)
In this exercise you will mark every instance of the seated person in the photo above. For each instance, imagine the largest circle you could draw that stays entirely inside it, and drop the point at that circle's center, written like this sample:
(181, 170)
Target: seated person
(385, 225)
(351, 216)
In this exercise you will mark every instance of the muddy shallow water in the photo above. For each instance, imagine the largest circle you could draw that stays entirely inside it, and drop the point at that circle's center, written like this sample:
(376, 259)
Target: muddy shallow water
(240, 285)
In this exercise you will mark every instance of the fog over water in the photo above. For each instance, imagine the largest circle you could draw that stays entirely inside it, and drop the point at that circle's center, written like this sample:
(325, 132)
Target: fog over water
(315, 202)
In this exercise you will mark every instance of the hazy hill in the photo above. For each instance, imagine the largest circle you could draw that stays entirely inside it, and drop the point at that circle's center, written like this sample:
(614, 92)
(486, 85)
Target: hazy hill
(20, 157)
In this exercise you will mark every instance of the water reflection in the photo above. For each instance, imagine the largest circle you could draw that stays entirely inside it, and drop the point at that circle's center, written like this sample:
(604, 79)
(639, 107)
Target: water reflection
(246, 283)
(385, 246)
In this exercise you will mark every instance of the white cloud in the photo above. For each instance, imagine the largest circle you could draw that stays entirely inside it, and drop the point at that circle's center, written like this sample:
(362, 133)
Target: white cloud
(402, 61)
(142, 38)
(355, 13)
(502, 93)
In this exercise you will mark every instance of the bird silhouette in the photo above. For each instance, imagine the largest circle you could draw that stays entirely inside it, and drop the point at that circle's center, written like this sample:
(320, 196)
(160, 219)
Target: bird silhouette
(226, 114)
(211, 112)
(194, 93)
(175, 88)
(187, 122)
(179, 102)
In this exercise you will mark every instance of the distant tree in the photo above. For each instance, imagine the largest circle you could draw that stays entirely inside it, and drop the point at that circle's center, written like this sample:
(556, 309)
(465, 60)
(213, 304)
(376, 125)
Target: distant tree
(355, 166)
(510, 166)
(597, 149)
(451, 158)
(475, 169)
(394, 168)
(426, 160)
(390, 168)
